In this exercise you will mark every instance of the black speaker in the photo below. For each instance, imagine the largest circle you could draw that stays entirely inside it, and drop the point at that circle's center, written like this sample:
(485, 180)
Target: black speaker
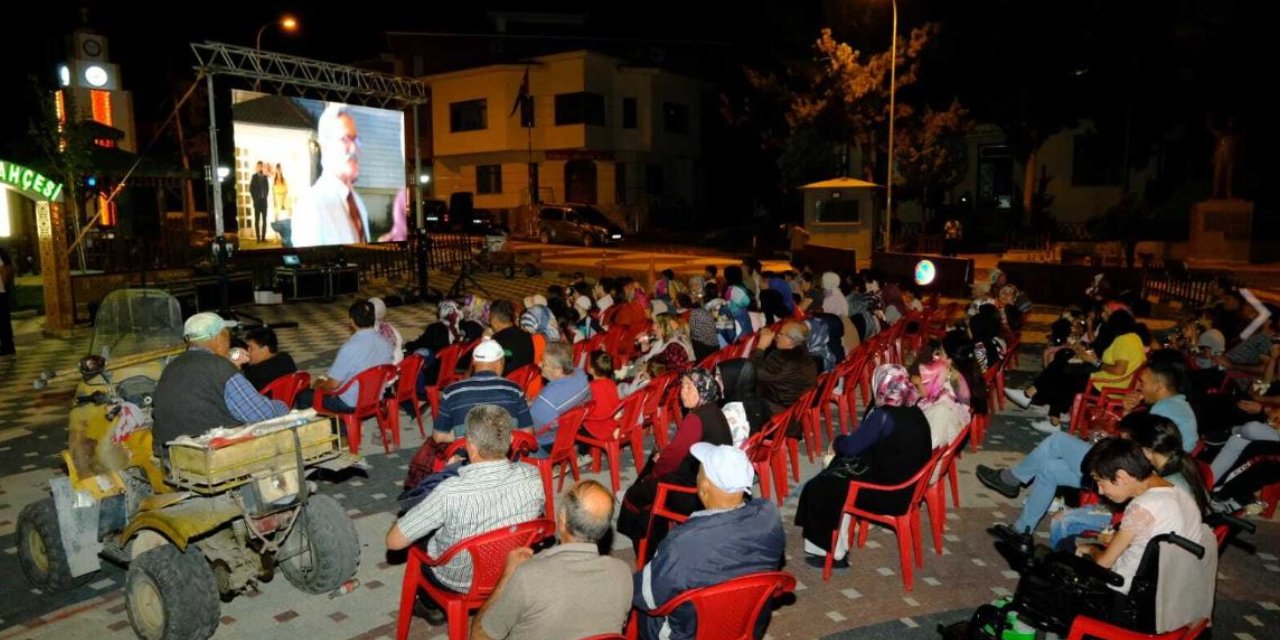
(139, 212)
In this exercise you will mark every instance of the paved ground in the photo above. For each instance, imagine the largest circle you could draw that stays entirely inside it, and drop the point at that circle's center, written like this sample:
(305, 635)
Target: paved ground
(868, 602)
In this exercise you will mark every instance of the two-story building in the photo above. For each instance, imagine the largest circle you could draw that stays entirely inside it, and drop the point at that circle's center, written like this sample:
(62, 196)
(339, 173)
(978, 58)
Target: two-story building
(591, 130)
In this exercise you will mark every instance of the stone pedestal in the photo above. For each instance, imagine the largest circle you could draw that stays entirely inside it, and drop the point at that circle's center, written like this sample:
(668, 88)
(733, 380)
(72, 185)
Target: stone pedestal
(1221, 230)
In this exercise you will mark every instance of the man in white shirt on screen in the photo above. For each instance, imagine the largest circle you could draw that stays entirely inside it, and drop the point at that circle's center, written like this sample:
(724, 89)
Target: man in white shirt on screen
(331, 212)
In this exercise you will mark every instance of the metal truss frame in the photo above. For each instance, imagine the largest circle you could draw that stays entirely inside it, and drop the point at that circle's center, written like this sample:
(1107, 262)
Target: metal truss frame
(312, 78)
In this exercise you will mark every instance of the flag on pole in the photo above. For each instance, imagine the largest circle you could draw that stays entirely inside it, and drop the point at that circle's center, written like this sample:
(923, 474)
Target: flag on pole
(522, 94)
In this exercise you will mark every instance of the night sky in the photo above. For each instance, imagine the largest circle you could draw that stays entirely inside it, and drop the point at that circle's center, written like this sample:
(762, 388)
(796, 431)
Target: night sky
(1181, 58)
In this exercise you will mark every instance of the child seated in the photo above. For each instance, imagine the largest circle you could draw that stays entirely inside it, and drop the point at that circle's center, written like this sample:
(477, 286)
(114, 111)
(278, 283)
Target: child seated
(1155, 506)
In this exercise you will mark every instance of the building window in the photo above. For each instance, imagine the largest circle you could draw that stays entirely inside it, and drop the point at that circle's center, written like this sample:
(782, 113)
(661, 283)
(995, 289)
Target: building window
(101, 106)
(629, 113)
(675, 118)
(488, 178)
(653, 180)
(1095, 161)
(579, 108)
(526, 112)
(471, 115)
(836, 209)
(620, 183)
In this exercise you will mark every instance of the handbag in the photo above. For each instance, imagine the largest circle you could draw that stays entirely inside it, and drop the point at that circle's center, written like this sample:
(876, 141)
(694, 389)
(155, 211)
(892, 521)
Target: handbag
(846, 468)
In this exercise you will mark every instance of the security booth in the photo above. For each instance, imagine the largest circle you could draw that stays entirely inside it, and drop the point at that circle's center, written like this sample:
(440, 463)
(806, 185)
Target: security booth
(839, 213)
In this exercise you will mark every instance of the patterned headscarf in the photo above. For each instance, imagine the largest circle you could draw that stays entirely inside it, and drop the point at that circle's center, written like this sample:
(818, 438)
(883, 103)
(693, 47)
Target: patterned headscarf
(539, 319)
(705, 383)
(477, 309)
(936, 379)
(892, 386)
(450, 314)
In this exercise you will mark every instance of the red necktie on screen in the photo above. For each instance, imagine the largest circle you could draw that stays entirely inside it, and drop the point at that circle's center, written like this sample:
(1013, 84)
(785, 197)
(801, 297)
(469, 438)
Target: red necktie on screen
(353, 212)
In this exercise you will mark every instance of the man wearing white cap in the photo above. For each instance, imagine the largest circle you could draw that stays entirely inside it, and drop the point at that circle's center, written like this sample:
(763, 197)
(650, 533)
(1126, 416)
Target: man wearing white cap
(201, 389)
(485, 386)
(733, 536)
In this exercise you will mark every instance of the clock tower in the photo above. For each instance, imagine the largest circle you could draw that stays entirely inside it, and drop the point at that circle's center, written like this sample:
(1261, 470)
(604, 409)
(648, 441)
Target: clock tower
(99, 92)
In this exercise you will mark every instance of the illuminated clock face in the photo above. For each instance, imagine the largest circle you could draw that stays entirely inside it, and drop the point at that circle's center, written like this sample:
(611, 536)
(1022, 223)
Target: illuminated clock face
(91, 48)
(95, 75)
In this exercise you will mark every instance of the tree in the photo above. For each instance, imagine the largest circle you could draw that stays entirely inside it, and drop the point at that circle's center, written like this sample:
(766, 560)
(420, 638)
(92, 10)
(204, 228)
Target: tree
(66, 144)
(932, 154)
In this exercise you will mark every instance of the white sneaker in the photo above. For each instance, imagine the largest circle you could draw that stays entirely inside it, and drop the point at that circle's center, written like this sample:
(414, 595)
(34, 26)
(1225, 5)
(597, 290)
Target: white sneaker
(1018, 397)
(1044, 426)
(1057, 505)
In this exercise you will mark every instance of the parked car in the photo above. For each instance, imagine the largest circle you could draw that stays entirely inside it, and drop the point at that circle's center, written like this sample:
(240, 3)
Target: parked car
(576, 224)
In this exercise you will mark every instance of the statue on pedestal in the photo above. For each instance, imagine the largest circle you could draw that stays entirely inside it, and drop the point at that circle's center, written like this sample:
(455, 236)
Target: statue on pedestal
(1226, 147)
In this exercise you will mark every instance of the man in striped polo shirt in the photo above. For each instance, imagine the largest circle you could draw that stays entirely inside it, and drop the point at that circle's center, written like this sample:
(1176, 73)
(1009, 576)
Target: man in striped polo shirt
(489, 493)
(485, 387)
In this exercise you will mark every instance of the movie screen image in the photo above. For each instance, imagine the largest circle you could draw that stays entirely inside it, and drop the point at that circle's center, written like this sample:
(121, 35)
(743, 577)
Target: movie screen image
(312, 173)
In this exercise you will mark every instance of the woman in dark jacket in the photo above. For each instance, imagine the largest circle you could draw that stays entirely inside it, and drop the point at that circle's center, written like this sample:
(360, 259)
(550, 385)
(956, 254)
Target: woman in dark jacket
(704, 422)
(738, 379)
(892, 442)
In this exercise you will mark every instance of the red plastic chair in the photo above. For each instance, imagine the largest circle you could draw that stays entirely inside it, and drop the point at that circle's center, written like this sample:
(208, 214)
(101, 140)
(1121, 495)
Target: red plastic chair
(449, 358)
(369, 404)
(1270, 495)
(286, 387)
(488, 558)
(1083, 627)
(562, 451)
(1093, 398)
(582, 350)
(729, 610)
(529, 378)
(935, 496)
(657, 406)
(407, 391)
(765, 451)
(660, 510)
(627, 419)
(522, 444)
(906, 525)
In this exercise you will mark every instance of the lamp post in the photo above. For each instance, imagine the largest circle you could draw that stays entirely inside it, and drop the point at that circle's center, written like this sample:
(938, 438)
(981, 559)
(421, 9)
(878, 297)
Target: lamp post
(893, 86)
(286, 23)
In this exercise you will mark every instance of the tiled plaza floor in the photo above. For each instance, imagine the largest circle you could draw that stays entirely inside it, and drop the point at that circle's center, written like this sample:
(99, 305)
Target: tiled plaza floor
(867, 602)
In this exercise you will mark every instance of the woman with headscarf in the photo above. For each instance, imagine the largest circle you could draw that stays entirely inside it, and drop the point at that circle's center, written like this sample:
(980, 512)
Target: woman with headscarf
(745, 411)
(939, 400)
(586, 326)
(476, 309)
(386, 330)
(671, 345)
(737, 305)
(891, 444)
(539, 322)
(833, 300)
(703, 422)
(702, 331)
(826, 340)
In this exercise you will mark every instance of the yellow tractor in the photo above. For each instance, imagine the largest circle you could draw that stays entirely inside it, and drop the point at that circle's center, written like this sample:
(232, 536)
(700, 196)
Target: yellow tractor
(219, 514)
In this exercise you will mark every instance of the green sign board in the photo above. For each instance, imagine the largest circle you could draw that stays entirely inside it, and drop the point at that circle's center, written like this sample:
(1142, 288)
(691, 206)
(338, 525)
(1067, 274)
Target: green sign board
(30, 182)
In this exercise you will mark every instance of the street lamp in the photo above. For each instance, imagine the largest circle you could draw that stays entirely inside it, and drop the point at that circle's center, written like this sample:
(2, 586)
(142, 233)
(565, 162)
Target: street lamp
(893, 85)
(286, 23)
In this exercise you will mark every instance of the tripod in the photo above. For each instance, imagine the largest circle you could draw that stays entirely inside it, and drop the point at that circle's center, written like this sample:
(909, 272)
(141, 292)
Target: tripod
(465, 278)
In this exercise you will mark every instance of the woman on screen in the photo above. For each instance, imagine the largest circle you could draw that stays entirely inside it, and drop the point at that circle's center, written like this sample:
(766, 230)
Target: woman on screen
(280, 189)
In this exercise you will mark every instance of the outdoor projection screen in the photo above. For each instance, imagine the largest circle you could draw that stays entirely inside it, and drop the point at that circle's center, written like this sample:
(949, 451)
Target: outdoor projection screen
(312, 173)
